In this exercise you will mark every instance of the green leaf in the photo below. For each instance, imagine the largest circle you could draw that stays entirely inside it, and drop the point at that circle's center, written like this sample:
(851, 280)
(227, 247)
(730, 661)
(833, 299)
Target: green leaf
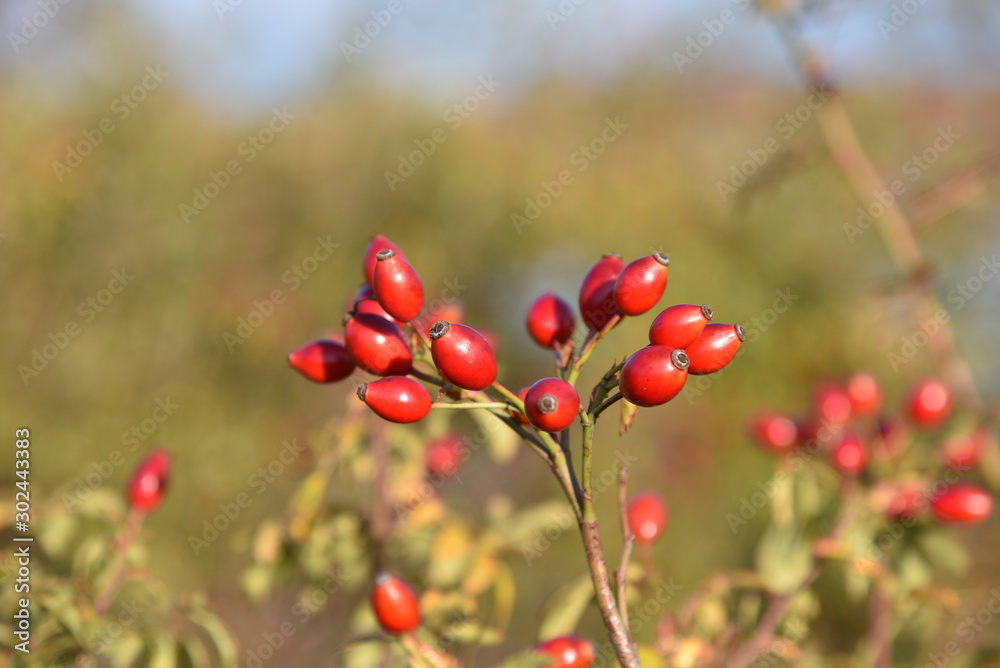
(943, 551)
(565, 609)
(784, 559)
(124, 651)
(193, 653)
(626, 419)
(219, 634)
(539, 524)
(163, 653)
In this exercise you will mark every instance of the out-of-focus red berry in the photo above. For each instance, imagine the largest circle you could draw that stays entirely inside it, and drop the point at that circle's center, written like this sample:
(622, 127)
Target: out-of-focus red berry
(149, 481)
(850, 456)
(568, 652)
(444, 455)
(962, 504)
(774, 431)
(647, 517)
(929, 403)
(395, 604)
(864, 392)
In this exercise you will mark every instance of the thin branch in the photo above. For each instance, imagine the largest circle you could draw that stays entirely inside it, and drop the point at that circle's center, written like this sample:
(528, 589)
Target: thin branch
(607, 404)
(880, 625)
(628, 539)
(133, 522)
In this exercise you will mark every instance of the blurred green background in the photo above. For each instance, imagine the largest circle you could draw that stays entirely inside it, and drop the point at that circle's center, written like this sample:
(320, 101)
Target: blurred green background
(323, 178)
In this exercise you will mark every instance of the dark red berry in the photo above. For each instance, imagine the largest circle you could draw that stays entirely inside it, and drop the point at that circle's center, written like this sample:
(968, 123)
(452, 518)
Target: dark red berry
(397, 286)
(962, 504)
(714, 348)
(647, 517)
(322, 361)
(907, 501)
(396, 399)
(463, 355)
(929, 403)
(444, 455)
(964, 451)
(679, 326)
(149, 481)
(850, 456)
(568, 652)
(831, 403)
(654, 375)
(774, 431)
(597, 299)
(395, 604)
(551, 404)
(864, 392)
(378, 242)
(641, 284)
(373, 307)
(550, 320)
(517, 415)
(377, 345)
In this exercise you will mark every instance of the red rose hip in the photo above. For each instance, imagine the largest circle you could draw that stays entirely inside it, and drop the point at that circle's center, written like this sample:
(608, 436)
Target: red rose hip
(551, 404)
(597, 299)
(679, 326)
(322, 361)
(864, 392)
(641, 284)
(774, 431)
(378, 242)
(463, 355)
(517, 415)
(550, 320)
(647, 517)
(396, 399)
(962, 504)
(929, 403)
(397, 286)
(395, 604)
(568, 652)
(832, 403)
(377, 345)
(715, 347)
(149, 481)
(444, 455)
(850, 456)
(654, 375)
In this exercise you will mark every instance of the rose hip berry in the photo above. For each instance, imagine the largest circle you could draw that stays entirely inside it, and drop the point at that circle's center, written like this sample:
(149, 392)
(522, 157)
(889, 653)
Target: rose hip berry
(654, 375)
(149, 481)
(377, 345)
(964, 451)
(568, 652)
(908, 501)
(641, 284)
(396, 399)
(832, 403)
(463, 355)
(715, 347)
(929, 403)
(378, 242)
(774, 431)
(397, 286)
(679, 326)
(551, 404)
(550, 320)
(647, 517)
(864, 392)
(322, 361)
(450, 311)
(962, 504)
(395, 604)
(444, 455)
(597, 299)
(850, 456)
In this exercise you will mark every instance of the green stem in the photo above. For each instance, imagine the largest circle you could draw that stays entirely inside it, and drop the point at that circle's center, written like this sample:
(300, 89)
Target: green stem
(589, 348)
(607, 404)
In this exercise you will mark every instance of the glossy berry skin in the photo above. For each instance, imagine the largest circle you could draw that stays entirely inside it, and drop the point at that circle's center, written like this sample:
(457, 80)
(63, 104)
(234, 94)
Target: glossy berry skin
(849, 456)
(962, 504)
(519, 417)
(647, 517)
(774, 431)
(463, 355)
(551, 404)
(395, 604)
(864, 392)
(550, 320)
(444, 455)
(322, 361)
(396, 399)
(597, 298)
(568, 652)
(149, 480)
(679, 326)
(397, 286)
(654, 375)
(641, 284)
(715, 347)
(372, 306)
(929, 403)
(377, 345)
(378, 242)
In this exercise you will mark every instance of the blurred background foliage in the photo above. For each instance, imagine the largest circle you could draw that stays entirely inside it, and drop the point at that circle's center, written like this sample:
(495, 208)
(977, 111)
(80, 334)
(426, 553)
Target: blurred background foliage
(323, 177)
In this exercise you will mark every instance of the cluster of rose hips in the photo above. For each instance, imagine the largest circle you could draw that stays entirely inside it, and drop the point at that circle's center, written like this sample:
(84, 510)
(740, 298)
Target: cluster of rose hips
(847, 423)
